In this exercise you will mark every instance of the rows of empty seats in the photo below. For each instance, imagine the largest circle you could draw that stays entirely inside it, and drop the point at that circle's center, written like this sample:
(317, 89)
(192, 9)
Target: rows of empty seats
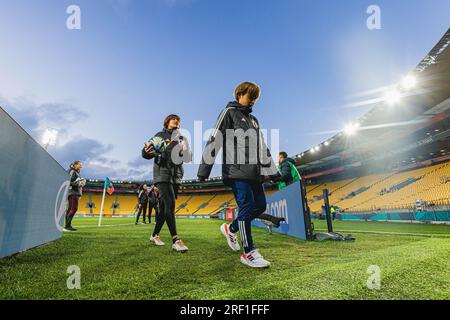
(194, 205)
(384, 191)
(185, 205)
(126, 204)
(371, 192)
(219, 202)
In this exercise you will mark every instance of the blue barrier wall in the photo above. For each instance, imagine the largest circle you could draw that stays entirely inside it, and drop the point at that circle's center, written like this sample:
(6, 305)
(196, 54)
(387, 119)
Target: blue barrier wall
(397, 216)
(287, 203)
(30, 180)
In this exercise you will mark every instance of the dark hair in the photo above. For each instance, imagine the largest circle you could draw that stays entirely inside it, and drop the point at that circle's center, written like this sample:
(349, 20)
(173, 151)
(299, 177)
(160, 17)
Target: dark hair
(74, 163)
(251, 88)
(283, 154)
(141, 187)
(170, 117)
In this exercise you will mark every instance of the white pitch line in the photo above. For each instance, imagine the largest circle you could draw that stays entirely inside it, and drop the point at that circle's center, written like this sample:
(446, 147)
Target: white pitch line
(395, 233)
(106, 225)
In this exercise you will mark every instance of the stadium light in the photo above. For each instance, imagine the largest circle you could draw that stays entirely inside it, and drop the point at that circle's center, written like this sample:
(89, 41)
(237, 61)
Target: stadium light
(351, 128)
(392, 97)
(326, 143)
(49, 138)
(312, 150)
(409, 82)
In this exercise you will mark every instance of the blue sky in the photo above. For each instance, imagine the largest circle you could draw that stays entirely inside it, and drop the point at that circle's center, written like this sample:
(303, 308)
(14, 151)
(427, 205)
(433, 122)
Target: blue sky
(108, 86)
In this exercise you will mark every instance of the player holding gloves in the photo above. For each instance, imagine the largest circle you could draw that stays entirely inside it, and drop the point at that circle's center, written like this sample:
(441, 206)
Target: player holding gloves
(75, 191)
(170, 150)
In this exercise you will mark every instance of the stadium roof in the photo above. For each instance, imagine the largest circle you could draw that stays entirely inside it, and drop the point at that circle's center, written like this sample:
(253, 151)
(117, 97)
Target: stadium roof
(409, 121)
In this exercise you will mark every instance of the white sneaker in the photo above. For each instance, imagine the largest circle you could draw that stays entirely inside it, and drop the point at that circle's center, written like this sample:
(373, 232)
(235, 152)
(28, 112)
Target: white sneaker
(231, 237)
(179, 246)
(254, 259)
(157, 240)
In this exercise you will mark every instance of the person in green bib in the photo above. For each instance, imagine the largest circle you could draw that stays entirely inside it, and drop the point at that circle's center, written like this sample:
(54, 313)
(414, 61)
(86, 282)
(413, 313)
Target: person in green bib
(288, 171)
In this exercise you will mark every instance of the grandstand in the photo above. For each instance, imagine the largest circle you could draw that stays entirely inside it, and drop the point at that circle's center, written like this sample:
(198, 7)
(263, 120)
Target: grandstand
(396, 155)
(124, 199)
(398, 190)
(394, 190)
(195, 204)
(384, 191)
(199, 201)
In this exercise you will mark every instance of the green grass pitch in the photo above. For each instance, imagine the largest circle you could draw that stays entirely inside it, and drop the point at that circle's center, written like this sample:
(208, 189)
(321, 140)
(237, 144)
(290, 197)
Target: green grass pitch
(117, 261)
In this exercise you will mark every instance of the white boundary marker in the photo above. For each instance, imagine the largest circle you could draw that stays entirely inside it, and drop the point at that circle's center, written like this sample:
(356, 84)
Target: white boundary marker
(106, 225)
(394, 233)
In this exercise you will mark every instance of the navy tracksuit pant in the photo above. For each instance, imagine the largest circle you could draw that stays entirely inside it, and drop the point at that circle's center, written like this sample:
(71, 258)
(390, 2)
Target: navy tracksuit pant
(251, 202)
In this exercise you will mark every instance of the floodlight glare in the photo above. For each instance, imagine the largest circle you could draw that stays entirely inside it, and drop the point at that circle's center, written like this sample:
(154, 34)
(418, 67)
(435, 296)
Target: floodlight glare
(351, 128)
(392, 97)
(49, 137)
(409, 82)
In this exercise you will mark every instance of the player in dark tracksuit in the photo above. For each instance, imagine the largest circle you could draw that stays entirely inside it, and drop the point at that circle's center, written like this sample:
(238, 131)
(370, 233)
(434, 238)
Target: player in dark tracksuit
(152, 203)
(246, 162)
(167, 175)
(75, 192)
(143, 202)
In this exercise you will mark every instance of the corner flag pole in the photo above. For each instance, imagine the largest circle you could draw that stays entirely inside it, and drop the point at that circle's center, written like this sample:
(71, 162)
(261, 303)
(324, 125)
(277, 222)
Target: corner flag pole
(103, 202)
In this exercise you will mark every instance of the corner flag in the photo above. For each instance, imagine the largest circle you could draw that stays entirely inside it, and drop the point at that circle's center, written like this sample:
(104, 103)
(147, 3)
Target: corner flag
(107, 187)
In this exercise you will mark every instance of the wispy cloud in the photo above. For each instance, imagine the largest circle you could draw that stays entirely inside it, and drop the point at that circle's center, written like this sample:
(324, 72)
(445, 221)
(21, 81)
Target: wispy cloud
(81, 148)
(140, 168)
(35, 118)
